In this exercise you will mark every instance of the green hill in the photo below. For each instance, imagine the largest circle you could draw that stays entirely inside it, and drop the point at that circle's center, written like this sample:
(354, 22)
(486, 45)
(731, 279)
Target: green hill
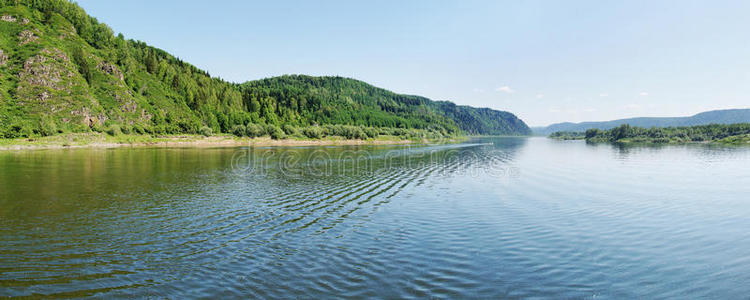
(63, 71)
(336, 100)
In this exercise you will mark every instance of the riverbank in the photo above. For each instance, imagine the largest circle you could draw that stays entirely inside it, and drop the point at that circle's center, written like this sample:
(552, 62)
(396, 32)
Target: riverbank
(729, 134)
(101, 140)
(733, 140)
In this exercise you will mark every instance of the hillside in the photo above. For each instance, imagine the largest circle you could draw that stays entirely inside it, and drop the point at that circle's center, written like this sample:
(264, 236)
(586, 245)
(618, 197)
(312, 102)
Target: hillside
(63, 71)
(728, 116)
(338, 100)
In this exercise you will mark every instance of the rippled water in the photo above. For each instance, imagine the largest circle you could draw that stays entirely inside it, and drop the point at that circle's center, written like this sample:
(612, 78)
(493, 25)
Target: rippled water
(493, 218)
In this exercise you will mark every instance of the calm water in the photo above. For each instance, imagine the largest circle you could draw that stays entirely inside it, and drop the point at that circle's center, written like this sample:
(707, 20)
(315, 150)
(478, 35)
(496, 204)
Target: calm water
(493, 218)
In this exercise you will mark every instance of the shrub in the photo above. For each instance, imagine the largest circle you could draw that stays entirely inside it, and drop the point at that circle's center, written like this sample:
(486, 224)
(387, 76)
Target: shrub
(357, 133)
(329, 130)
(206, 131)
(275, 132)
(239, 130)
(371, 132)
(114, 130)
(126, 129)
(290, 130)
(254, 130)
(138, 129)
(592, 133)
(399, 132)
(47, 126)
(314, 132)
(18, 130)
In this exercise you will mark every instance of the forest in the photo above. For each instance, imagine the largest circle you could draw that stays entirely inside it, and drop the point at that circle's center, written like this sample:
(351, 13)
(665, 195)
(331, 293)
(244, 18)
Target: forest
(62, 71)
(722, 133)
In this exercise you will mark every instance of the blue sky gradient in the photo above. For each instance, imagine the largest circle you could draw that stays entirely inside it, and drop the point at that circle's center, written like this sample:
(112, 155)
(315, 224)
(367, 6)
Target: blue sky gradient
(545, 61)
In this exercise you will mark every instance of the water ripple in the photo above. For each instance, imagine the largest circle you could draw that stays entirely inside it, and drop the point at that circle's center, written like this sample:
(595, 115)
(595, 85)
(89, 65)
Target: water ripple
(499, 218)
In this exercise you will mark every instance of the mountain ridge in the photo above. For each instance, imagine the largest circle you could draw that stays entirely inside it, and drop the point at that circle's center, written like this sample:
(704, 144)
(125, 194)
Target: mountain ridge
(722, 116)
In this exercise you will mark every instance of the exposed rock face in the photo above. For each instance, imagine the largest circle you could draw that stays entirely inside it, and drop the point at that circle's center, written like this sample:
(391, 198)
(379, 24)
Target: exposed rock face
(37, 72)
(56, 54)
(67, 32)
(27, 36)
(3, 58)
(44, 75)
(47, 70)
(111, 70)
(44, 96)
(8, 18)
(129, 106)
(88, 118)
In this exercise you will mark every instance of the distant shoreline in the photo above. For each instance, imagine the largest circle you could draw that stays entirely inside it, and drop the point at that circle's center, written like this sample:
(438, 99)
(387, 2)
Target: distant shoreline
(99, 140)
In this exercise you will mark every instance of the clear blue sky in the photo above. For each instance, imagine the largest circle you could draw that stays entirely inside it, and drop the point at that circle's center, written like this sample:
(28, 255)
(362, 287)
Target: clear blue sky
(545, 61)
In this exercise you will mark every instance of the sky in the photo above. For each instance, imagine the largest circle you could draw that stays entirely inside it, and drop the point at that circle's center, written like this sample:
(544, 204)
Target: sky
(545, 61)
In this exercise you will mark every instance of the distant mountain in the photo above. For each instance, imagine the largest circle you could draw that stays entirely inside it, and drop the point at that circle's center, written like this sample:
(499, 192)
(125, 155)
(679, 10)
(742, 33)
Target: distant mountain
(63, 71)
(727, 116)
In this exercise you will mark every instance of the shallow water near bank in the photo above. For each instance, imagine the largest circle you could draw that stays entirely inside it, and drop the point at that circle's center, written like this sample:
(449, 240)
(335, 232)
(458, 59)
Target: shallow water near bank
(489, 218)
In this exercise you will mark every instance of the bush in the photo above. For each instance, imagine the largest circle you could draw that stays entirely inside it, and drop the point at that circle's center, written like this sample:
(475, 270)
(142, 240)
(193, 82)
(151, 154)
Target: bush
(126, 129)
(206, 131)
(290, 130)
(138, 129)
(96, 128)
(254, 130)
(371, 132)
(399, 132)
(18, 130)
(358, 133)
(592, 133)
(239, 130)
(329, 130)
(275, 132)
(47, 126)
(314, 132)
(114, 130)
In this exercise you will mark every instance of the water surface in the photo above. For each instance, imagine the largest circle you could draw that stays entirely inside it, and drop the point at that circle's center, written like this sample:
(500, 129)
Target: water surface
(490, 218)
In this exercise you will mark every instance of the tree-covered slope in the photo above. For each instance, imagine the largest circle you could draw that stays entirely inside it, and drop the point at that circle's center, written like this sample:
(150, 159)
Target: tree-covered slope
(63, 71)
(727, 116)
(336, 100)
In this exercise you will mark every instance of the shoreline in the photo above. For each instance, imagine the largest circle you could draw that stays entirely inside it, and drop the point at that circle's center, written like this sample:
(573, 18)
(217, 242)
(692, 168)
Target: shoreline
(103, 141)
(721, 142)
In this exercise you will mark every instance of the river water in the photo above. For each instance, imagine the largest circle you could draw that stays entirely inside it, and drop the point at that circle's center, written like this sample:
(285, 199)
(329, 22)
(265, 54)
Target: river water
(488, 218)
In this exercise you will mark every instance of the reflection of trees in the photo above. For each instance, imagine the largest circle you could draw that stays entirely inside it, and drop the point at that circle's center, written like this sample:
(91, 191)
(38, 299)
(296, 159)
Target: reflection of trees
(292, 165)
(38, 183)
(624, 151)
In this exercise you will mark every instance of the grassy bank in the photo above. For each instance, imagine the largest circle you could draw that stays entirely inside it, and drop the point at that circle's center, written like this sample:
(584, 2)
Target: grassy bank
(101, 140)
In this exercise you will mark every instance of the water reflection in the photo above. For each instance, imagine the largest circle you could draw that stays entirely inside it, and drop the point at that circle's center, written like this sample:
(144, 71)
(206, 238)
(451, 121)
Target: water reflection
(472, 158)
(493, 217)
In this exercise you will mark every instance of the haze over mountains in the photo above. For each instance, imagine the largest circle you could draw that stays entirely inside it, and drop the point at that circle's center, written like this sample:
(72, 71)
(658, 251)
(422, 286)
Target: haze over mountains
(62, 71)
(726, 116)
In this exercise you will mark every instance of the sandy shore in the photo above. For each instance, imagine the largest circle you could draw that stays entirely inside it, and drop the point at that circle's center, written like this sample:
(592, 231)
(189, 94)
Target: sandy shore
(75, 141)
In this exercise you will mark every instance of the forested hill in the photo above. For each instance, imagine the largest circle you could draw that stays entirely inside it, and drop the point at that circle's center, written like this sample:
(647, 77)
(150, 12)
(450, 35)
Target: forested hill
(63, 71)
(727, 116)
(338, 100)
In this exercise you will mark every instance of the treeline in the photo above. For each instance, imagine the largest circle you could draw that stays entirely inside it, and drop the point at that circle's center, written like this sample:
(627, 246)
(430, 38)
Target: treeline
(141, 89)
(567, 135)
(625, 133)
(344, 131)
